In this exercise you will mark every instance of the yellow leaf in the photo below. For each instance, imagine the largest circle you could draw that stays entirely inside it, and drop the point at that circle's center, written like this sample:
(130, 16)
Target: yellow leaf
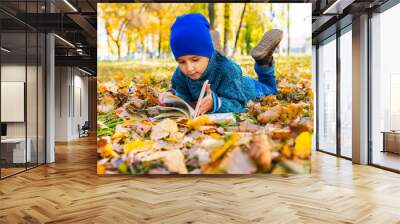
(217, 153)
(146, 80)
(121, 84)
(279, 170)
(212, 168)
(100, 169)
(102, 88)
(215, 135)
(118, 76)
(145, 122)
(286, 151)
(119, 135)
(138, 146)
(199, 121)
(128, 122)
(302, 146)
(109, 152)
(107, 99)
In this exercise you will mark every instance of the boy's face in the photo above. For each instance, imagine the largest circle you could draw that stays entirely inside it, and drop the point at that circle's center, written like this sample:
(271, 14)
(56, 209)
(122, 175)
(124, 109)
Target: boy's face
(193, 66)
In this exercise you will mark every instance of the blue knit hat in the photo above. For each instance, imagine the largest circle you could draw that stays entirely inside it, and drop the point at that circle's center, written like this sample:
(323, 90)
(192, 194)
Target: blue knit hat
(190, 35)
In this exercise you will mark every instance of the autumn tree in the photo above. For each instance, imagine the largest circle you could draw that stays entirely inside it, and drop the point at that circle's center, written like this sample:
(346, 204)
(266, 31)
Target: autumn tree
(116, 17)
(239, 28)
(227, 24)
(211, 15)
(253, 28)
(288, 28)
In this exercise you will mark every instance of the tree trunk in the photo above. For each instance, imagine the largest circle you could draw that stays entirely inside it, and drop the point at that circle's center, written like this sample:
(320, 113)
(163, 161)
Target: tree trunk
(271, 12)
(119, 37)
(129, 41)
(109, 39)
(226, 26)
(159, 38)
(119, 50)
(211, 14)
(239, 28)
(247, 38)
(143, 53)
(288, 29)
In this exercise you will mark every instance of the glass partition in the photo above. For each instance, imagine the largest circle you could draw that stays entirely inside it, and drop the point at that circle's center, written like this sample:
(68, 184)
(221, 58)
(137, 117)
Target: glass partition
(345, 93)
(327, 96)
(385, 89)
(22, 89)
(13, 104)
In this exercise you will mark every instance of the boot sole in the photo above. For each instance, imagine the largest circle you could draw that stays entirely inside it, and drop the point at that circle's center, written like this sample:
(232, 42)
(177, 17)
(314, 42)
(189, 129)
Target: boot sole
(267, 45)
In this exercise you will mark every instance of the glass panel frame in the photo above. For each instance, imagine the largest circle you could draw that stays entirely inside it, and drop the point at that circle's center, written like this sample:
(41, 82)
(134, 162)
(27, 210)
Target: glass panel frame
(25, 57)
(384, 87)
(327, 138)
(346, 92)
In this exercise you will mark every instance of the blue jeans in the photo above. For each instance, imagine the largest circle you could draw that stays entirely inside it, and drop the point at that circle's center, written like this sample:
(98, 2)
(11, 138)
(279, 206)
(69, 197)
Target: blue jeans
(266, 83)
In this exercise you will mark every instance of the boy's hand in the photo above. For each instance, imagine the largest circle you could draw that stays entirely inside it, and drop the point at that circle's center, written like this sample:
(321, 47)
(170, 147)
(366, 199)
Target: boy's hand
(161, 97)
(207, 103)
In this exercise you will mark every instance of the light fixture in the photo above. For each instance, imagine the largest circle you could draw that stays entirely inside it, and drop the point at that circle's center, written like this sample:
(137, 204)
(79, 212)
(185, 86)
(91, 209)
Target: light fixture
(79, 51)
(337, 7)
(86, 72)
(64, 40)
(5, 50)
(70, 5)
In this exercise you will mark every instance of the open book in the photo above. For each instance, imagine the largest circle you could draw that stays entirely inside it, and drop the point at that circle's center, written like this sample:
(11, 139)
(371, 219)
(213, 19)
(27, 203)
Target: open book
(179, 108)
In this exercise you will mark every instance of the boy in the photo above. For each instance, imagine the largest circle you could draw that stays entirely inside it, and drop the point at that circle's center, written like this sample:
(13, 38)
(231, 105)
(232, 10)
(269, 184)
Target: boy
(228, 89)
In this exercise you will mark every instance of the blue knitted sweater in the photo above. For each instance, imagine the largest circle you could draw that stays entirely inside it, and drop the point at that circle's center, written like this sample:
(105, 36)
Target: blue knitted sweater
(226, 80)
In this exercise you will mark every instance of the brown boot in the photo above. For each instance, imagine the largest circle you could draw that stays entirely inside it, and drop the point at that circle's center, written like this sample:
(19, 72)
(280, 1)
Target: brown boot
(262, 52)
(216, 41)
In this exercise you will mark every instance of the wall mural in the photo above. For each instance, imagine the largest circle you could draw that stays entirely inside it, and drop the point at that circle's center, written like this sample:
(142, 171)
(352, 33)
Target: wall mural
(204, 88)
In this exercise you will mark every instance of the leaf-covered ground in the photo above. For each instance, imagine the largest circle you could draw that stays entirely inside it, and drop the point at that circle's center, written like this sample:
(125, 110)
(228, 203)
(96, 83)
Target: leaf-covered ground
(273, 136)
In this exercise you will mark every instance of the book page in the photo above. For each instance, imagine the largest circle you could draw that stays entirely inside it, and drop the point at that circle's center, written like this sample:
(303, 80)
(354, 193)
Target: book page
(170, 115)
(200, 99)
(180, 103)
(175, 110)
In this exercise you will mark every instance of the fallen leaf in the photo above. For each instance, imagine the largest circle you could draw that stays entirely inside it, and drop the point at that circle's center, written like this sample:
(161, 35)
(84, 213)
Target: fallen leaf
(283, 133)
(217, 153)
(163, 129)
(271, 115)
(107, 151)
(302, 147)
(301, 125)
(293, 167)
(117, 136)
(200, 121)
(237, 162)
(212, 168)
(174, 161)
(261, 151)
(286, 151)
(100, 169)
(138, 146)
(254, 108)
(212, 143)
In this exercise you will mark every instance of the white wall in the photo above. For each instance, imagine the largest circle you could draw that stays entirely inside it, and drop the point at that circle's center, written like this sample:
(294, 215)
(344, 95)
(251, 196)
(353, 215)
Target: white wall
(14, 73)
(71, 94)
(34, 125)
(61, 103)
